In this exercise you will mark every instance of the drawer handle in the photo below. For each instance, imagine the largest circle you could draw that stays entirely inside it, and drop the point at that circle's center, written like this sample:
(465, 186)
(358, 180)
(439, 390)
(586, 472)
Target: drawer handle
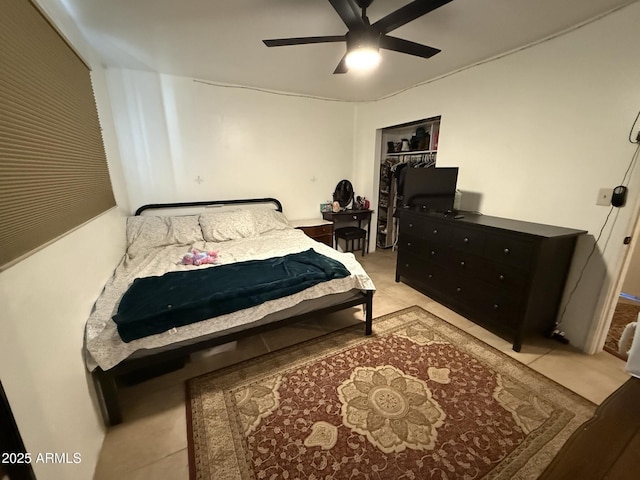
(496, 306)
(433, 252)
(462, 264)
(501, 277)
(430, 276)
(458, 289)
(355, 217)
(506, 251)
(408, 244)
(466, 240)
(435, 232)
(406, 265)
(410, 225)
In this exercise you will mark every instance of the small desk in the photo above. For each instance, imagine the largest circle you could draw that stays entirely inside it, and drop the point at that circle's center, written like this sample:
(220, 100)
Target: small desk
(345, 216)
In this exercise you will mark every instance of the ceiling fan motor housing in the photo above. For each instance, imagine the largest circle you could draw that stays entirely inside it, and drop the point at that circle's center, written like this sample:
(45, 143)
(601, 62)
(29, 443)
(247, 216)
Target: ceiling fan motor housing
(365, 38)
(364, 3)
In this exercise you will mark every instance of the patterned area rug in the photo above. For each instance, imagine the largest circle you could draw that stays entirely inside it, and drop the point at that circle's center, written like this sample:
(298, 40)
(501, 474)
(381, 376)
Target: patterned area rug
(419, 399)
(625, 313)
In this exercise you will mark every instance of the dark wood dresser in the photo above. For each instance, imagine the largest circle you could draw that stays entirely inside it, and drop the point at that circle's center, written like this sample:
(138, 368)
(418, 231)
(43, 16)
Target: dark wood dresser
(506, 275)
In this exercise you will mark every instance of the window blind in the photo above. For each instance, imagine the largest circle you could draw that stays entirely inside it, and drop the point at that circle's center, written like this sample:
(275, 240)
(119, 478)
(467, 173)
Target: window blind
(53, 169)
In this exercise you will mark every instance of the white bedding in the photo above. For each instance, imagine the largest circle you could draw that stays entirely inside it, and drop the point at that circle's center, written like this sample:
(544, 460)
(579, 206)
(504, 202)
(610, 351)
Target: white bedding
(103, 345)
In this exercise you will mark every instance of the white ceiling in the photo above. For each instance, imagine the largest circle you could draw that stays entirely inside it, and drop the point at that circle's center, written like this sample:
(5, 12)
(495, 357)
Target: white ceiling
(221, 40)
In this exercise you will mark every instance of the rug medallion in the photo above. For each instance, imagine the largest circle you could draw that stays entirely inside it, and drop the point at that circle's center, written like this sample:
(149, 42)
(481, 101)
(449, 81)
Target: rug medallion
(419, 399)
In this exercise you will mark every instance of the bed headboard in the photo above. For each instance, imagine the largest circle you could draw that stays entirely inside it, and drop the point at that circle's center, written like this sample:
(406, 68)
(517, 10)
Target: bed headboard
(189, 208)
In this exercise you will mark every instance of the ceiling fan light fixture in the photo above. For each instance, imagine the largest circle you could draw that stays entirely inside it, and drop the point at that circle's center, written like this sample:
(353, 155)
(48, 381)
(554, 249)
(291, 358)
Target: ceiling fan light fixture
(363, 58)
(364, 39)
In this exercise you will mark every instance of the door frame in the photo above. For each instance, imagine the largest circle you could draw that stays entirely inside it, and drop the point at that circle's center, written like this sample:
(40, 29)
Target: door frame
(598, 333)
(11, 441)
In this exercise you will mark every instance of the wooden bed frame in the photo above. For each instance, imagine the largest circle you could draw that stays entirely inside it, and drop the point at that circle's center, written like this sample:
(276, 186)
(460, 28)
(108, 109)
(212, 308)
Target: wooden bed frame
(107, 381)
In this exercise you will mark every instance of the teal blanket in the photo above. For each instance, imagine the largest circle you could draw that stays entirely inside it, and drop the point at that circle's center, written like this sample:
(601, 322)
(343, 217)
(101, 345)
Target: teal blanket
(156, 304)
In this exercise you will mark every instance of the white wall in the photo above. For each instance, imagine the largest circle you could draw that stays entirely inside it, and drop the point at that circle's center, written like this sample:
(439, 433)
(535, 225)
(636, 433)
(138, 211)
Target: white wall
(46, 300)
(241, 143)
(536, 134)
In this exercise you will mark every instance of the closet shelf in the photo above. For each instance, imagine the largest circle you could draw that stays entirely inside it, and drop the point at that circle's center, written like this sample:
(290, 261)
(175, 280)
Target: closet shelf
(410, 152)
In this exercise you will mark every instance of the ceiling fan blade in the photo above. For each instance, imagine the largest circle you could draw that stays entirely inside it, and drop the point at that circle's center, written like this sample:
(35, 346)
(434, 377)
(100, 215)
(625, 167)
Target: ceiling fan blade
(349, 13)
(280, 42)
(405, 46)
(342, 66)
(405, 14)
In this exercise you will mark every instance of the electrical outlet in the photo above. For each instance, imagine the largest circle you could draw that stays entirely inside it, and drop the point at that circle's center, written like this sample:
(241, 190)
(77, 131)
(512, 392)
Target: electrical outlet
(604, 196)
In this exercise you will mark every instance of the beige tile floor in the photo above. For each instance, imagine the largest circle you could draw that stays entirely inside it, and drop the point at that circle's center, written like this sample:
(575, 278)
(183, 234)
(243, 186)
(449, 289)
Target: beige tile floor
(152, 441)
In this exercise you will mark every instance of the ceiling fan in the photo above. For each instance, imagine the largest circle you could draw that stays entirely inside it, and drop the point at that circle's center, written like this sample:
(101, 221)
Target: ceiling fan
(365, 39)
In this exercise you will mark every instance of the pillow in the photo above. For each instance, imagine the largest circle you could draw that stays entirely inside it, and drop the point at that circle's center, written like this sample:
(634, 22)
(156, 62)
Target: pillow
(268, 219)
(145, 233)
(185, 229)
(228, 225)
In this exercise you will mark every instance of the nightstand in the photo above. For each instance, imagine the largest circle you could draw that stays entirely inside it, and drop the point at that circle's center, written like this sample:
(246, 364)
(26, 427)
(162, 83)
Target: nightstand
(316, 228)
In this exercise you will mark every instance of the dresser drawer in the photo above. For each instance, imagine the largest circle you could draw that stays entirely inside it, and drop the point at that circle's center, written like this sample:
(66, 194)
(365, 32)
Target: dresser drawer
(423, 248)
(437, 254)
(318, 230)
(458, 290)
(468, 240)
(411, 226)
(320, 233)
(409, 265)
(504, 276)
(437, 232)
(476, 268)
(425, 273)
(326, 239)
(499, 307)
(491, 306)
(463, 263)
(510, 250)
(411, 244)
(356, 216)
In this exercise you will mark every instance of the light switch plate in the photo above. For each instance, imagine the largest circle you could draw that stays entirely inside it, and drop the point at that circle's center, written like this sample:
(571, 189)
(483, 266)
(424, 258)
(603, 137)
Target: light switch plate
(604, 196)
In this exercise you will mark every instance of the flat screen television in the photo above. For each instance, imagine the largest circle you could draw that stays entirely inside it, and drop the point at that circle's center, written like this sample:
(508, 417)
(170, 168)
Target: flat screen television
(430, 188)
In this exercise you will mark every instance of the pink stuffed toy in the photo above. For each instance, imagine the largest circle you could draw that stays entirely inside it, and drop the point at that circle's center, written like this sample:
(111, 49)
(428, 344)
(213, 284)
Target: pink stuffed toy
(197, 258)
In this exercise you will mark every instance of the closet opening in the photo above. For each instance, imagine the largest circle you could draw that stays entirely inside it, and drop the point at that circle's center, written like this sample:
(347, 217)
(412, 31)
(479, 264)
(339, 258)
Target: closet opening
(408, 145)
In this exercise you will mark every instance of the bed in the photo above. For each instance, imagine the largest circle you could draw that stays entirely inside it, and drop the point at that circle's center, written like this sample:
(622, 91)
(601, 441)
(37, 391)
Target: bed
(240, 234)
